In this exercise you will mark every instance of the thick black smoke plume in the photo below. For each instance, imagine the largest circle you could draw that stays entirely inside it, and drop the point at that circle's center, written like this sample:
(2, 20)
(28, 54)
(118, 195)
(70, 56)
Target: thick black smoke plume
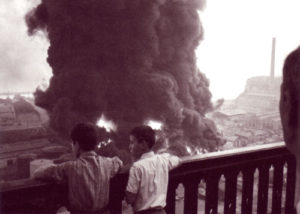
(131, 60)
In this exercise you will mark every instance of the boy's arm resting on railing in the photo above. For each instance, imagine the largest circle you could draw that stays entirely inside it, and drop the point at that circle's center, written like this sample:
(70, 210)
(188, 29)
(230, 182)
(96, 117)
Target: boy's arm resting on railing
(55, 172)
(174, 161)
(64, 158)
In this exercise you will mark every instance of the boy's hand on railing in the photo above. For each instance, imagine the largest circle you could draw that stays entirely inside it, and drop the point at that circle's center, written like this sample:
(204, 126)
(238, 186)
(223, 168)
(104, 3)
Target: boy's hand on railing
(64, 158)
(42, 173)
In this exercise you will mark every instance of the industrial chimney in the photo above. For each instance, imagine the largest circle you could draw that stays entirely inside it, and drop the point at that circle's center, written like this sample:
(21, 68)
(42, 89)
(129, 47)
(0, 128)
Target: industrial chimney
(273, 58)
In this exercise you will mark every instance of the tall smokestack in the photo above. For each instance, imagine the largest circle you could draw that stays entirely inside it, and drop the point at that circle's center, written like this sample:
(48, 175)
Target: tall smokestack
(272, 74)
(129, 60)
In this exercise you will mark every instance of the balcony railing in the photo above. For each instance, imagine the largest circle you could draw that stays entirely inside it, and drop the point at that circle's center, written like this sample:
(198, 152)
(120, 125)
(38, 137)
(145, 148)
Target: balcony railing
(253, 180)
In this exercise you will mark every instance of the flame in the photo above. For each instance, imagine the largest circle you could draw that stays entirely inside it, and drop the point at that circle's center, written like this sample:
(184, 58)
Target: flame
(198, 151)
(104, 143)
(188, 149)
(156, 125)
(107, 124)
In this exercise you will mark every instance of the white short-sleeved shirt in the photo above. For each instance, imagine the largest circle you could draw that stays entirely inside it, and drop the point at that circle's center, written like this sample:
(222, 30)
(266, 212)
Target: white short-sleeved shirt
(148, 178)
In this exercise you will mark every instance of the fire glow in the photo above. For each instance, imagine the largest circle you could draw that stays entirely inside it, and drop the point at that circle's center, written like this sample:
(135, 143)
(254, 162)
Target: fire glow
(188, 149)
(108, 125)
(154, 124)
(104, 143)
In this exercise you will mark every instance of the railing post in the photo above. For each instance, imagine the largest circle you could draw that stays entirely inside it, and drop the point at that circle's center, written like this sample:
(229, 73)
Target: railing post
(263, 187)
(171, 196)
(191, 195)
(212, 190)
(277, 187)
(230, 192)
(247, 194)
(290, 185)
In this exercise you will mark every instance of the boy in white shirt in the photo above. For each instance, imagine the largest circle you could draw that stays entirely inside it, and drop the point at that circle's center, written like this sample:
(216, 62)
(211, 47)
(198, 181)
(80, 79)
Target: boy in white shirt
(149, 175)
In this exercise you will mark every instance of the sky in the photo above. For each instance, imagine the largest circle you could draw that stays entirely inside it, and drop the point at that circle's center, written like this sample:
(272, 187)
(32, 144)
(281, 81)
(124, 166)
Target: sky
(23, 64)
(236, 46)
(238, 40)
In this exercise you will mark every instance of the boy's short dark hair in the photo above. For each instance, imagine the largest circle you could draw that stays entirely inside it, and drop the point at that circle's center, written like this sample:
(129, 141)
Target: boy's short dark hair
(86, 136)
(144, 133)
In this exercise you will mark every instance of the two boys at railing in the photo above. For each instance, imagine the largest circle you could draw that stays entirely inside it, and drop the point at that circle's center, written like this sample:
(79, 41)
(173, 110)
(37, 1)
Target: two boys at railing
(88, 176)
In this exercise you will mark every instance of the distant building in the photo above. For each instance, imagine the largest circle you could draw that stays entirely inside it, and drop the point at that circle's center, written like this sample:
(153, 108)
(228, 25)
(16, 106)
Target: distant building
(26, 114)
(18, 112)
(253, 117)
(28, 118)
(271, 121)
(7, 114)
(261, 95)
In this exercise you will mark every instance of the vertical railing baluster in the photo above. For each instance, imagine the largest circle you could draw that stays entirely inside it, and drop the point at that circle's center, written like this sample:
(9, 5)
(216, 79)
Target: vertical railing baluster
(263, 186)
(191, 195)
(230, 192)
(247, 194)
(277, 187)
(171, 196)
(290, 186)
(212, 189)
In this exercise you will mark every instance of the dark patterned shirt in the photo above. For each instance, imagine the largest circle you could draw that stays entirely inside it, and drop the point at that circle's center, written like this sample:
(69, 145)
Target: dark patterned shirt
(88, 178)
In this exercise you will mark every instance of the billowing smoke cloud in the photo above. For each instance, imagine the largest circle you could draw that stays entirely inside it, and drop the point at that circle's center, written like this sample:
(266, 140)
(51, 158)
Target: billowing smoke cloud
(131, 60)
(22, 61)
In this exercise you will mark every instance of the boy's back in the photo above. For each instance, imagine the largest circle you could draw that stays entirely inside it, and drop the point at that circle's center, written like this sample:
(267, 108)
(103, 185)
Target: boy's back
(148, 178)
(88, 176)
(88, 179)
